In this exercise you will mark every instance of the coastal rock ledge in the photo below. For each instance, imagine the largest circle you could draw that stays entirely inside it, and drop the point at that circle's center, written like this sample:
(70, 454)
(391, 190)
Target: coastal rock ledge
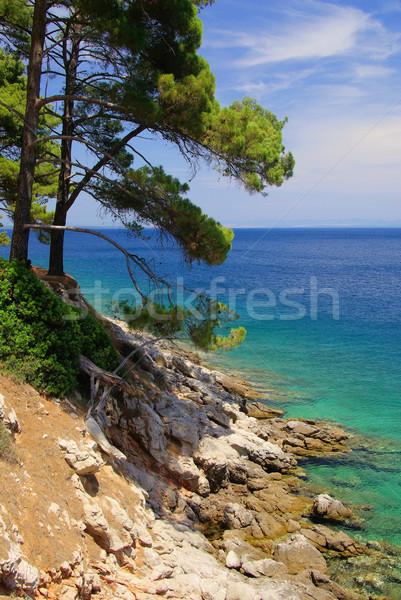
(169, 489)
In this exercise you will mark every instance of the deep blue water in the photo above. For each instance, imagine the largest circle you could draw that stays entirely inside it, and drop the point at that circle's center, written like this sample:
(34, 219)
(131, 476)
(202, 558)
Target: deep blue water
(335, 355)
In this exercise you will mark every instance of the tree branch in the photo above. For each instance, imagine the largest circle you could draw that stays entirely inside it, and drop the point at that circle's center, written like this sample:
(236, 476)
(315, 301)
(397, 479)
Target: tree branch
(128, 256)
(101, 163)
(88, 99)
(94, 147)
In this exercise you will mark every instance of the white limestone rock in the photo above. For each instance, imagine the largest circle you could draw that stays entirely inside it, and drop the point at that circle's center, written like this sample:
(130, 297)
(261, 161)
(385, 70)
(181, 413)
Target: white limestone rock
(84, 462)
(327, 507)
(298, 554)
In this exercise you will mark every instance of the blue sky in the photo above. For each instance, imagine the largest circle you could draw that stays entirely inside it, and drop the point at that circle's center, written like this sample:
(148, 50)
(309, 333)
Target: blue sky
(332, 68)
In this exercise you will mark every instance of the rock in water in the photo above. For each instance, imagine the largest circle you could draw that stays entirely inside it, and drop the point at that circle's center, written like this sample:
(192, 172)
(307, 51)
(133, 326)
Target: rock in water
(327, 507)
(261, 411)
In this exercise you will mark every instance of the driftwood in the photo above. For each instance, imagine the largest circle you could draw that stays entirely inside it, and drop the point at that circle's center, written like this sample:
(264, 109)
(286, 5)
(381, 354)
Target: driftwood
(95, 415)
(101, 384)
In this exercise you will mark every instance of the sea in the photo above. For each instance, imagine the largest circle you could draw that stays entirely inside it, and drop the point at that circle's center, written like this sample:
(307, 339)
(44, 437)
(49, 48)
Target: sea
(322, 310)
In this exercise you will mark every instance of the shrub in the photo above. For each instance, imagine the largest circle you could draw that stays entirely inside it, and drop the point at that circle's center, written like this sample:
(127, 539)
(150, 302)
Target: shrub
(38, 339)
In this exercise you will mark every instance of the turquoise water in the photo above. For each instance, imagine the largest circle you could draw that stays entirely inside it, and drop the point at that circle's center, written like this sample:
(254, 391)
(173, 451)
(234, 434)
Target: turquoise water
(335, 355)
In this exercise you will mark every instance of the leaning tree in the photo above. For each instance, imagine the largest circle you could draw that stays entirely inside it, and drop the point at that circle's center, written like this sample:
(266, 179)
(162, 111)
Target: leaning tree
(119, 70)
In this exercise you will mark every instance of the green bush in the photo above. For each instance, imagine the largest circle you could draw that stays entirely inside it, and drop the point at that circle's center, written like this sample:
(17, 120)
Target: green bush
(40, 340)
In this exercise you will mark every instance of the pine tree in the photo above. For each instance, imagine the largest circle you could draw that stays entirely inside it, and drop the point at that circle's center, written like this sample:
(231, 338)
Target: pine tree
(123, 68)
(13, 86)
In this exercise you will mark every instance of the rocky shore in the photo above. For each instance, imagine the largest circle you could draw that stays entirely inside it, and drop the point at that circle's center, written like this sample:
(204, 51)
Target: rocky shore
(174, 485)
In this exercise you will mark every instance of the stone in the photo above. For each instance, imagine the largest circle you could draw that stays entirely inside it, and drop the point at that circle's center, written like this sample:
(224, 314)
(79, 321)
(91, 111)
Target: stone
(292, 526)
(212, 590)
(302, 428)
(161, 572)
(324, 537)
(2, 407)
(98, 527)
(232, 384)
(65, 569)
(241, 591)
(325, 506)
(264, 568)
(68, 592)
(119, 514)
(262, 411)
(237, 471)
(232, 560)
(185, 586)
(17, 572)
(84, 462)
(9, 417)
(236, 516)
(11, 422)
(298, 554)
(321, 580)
(272, 458)
(98, 435)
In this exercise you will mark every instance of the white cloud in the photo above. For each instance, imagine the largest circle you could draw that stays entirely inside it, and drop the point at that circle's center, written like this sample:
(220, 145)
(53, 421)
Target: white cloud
(372, 71)
(319, 30)
(283, 81)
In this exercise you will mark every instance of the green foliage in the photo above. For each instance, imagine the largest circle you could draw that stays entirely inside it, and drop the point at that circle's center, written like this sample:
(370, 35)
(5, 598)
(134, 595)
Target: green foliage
(197, 323)
(156, 198)
(96, 344)
(251, 139)
(12, 108)
(15, 20)
(41, 338)
(186, 104)
(4, 239)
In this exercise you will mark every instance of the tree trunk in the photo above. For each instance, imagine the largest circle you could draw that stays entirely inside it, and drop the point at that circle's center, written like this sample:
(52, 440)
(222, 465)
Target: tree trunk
(56, 259)
(22, 215)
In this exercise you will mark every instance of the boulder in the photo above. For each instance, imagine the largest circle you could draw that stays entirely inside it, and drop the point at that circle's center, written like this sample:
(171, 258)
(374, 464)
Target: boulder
(237, 517)
(340, 542)
(232, 384)
(233, 561)
(98, 435)
(11, 421)
(16, 572)
(184, 366)
(325, 506)
(322, 581)
(302, 428)
(241, 591)
(272, 458)
(262, 411)
(2, 407)
(264, 568)
(298, 554)
(212, 590)
(8, 416)
(84, 462)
